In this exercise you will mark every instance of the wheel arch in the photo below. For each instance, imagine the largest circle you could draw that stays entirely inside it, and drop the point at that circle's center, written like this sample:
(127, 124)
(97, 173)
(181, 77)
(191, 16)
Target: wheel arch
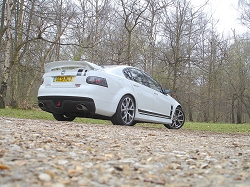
(130, 94)
(126, 89)
(125, 117)
(179, 106)
(132, 97)
(179, 119)
(175, 107)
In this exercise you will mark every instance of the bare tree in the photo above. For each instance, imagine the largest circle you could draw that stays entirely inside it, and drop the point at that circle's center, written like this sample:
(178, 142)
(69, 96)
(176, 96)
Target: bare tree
(149, 29)
(244, 8)
(238, 76)
(132, 12)
(175, 29)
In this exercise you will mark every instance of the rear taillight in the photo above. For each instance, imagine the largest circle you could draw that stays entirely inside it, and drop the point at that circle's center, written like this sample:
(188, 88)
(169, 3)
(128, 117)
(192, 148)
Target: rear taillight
(97, 81)
(42, 81)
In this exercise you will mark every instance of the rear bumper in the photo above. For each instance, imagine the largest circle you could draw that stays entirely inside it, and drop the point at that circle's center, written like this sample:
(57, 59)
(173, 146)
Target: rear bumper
(67, 105)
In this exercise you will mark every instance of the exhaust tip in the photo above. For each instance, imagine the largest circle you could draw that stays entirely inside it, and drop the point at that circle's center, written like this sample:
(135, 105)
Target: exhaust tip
(81, 107)
(41, 105)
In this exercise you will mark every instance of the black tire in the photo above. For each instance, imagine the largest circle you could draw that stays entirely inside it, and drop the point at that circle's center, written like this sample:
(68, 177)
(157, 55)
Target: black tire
(178, 119)
(62, 117)
(125, 112)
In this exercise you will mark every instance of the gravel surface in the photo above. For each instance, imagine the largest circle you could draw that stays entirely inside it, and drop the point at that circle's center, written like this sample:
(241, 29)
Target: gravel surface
(60, 154)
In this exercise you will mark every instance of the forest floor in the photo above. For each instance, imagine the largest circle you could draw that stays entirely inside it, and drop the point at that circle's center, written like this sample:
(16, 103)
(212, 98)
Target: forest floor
(60, 154)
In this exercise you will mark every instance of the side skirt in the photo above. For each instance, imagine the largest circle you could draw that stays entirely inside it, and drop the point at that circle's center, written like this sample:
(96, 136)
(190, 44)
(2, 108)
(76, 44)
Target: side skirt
(144, 112)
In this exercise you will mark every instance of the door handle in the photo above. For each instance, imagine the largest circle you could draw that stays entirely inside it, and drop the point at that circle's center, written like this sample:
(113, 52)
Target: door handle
(135, 85)
(155, 93)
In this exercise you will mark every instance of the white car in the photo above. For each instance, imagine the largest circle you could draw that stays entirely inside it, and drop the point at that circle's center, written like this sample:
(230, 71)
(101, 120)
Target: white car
(123, 94)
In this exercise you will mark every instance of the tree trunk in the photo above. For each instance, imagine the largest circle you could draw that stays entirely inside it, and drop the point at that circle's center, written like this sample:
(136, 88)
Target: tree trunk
(232, 108)
(129, 48)
(4, 84)
(3, 91)
(131, 24)
(24, 103)
(18, 41)
(239, 112)
(2, 26)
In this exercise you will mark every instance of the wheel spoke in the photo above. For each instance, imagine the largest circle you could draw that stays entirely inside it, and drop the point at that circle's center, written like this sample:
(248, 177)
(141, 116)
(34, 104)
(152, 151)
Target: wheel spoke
(123, 109)
(180, 120)
(124, 118)
(130, 116)
(131, 107)
(123, 106)
(127, 101)
(180, 115)
(173, 124)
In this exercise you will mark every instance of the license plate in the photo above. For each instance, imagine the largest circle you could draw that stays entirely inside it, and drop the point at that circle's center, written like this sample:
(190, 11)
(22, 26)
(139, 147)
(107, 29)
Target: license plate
(64, 79)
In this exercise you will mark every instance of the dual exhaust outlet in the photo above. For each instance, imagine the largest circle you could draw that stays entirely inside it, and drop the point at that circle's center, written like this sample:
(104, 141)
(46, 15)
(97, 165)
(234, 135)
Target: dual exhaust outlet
(78, 107)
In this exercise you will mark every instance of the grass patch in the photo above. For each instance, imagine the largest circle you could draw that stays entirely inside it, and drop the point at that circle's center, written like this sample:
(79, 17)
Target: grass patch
(39, 114)
(213, 127)
(218, 127)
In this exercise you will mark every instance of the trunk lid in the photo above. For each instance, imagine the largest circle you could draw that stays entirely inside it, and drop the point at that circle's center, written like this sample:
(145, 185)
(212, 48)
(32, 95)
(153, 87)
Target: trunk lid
(67, 73)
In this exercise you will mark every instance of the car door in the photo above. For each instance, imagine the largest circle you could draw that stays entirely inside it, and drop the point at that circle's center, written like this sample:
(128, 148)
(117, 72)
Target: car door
(162, 107)
(144, 94)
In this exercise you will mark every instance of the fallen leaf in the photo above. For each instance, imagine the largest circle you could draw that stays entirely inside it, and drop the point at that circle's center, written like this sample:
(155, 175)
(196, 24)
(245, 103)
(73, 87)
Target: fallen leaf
(151, 134)
(21, 162)
(79, 168)
(3, 167)
(50, 173)
(108, 156)
(118, 168)
(60, 167)
(73, 172)
(2, 153)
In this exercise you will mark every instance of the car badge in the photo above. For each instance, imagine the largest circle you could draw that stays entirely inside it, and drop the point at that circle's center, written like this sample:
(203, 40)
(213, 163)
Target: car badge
(63, 72)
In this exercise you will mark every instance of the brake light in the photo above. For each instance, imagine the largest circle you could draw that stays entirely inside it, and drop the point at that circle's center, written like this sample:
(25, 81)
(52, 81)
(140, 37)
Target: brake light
(97, 81)
(42, 81)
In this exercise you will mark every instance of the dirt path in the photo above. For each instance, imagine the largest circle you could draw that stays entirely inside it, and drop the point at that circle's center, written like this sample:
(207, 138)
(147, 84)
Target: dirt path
(57, 154)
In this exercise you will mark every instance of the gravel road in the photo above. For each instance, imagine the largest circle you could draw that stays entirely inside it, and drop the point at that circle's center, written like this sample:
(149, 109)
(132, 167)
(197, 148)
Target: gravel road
(61, 154)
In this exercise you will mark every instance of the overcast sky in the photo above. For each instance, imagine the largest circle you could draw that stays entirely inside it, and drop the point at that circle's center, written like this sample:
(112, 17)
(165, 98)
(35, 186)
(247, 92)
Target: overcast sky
(226, 13)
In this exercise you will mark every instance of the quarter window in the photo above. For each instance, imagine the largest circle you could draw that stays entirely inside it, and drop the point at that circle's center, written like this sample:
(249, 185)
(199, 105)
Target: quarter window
(127, 73)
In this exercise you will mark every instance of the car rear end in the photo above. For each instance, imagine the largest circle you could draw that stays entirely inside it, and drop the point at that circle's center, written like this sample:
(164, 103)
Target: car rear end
(75, 88)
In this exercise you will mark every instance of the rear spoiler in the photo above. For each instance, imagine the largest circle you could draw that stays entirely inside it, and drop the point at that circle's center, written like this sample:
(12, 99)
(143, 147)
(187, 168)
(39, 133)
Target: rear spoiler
(60, 64)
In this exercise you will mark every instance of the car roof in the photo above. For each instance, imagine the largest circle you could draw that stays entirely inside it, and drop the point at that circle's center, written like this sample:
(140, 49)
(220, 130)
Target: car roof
(115, 66)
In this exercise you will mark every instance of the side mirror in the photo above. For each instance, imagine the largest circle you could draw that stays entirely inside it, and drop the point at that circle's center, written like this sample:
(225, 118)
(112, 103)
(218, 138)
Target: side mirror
(167, 92)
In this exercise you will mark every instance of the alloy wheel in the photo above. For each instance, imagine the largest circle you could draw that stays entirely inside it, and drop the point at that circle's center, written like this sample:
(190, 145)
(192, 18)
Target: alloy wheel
(178, 119)
(127, 110)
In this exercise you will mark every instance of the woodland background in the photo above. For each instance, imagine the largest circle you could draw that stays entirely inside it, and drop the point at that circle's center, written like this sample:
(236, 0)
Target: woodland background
(174, 41)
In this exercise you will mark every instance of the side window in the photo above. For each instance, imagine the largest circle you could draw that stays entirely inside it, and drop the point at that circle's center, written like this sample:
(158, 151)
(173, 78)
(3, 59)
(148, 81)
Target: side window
(135, 75)
(153, 83)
